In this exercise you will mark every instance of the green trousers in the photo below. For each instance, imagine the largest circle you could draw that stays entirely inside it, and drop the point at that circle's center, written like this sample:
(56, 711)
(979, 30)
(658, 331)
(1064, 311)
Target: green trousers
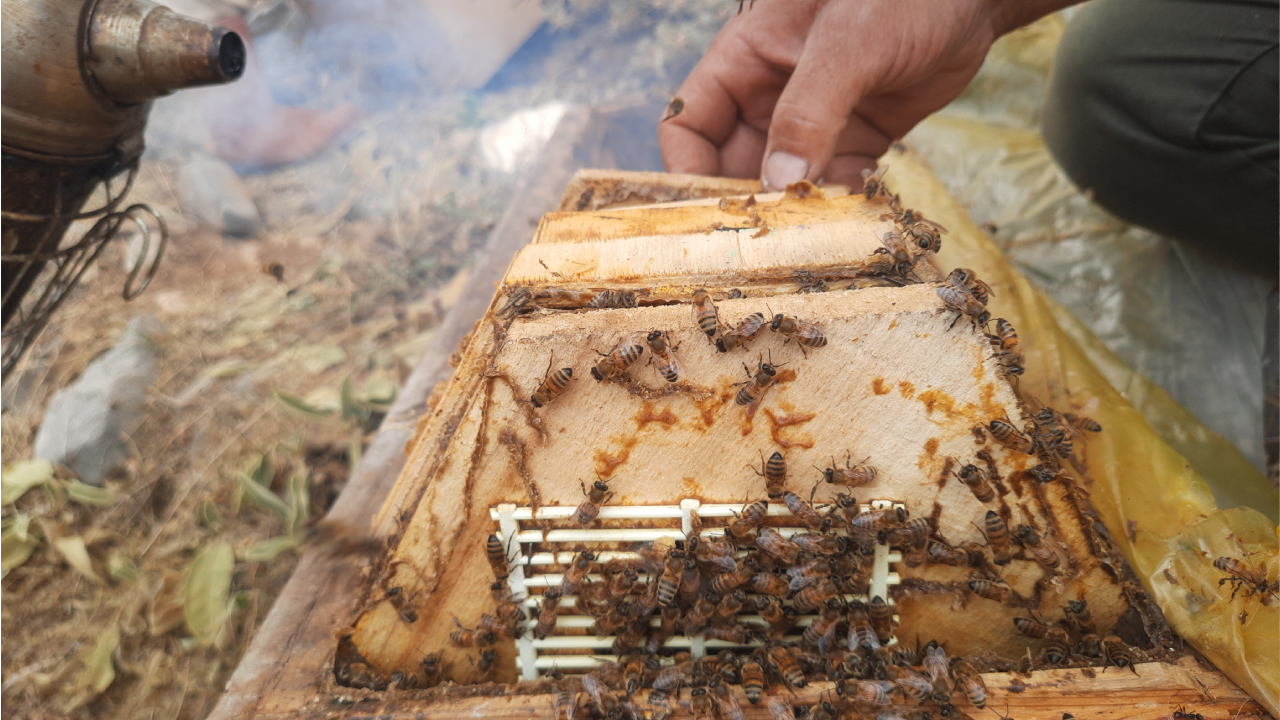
(1166, 111)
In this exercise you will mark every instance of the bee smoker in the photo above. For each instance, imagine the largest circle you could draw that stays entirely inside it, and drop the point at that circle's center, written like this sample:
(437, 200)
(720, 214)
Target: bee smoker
(78, 79)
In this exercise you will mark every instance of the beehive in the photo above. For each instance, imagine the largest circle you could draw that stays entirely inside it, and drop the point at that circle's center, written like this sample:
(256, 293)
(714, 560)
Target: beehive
(900, 383)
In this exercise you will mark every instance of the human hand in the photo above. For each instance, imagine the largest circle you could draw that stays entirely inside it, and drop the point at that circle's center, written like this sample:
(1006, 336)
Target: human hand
(806, 89)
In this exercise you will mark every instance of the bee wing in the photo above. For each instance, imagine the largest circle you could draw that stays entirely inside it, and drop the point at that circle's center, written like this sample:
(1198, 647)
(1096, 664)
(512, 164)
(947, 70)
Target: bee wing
(725, 563)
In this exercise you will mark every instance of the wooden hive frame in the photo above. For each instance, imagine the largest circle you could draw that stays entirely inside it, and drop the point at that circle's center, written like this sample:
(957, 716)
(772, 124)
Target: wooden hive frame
(483, 446)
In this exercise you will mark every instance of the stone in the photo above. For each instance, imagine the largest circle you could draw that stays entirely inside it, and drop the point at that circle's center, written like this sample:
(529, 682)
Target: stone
(215, 195)
(87, 425)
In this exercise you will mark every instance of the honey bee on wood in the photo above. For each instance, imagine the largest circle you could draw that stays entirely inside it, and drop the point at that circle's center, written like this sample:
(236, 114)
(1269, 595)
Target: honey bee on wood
(742, 335)
(897, 249)
(773, 543)
(846, 504)
(881, 616)
(1116, 652)
(1007, 435)
(464, 637)
(775, 474)
(914, 531)
(669, 583)
(1010, 349)
(360, 675)
(739, 531)
(935, 664)
(553, 385)
(860, 475)
(975, 479)
(991, 590)
(873, 182)
(966, 281)
(606, 702)
(869, 692)
(927, 234)
(497, 555)
(729, 707)
(615, 364)
(881, 519)
(660, 705)
(617, 617)
(861, 634)
(768, 584)
(1090, 645)
(705, 314)
(614, 299)
(787, 666)
(821, 632)
(500, 628)
(916, 686)
(690, 580)
(804, 512)
(403, 605)
(672, 677)
(729, 607)
(805, 333)
(664, 354)
(1082, 423)
(432, 669)
(730, 581)
(589, 510)
(753, 680)
(965, 305)
(755, 386)
(997, 534)
(815, 595)
(821, 544)
(548, 611)
(779, 619)
(577, 572)
(944, 554)
(700, 704)
(1057, 649)
(1241, 576)
(1031, 627)
(1037, 548)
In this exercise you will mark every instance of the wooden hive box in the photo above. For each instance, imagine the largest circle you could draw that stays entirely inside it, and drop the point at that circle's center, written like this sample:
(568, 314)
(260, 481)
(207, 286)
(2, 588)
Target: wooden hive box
(901, 383)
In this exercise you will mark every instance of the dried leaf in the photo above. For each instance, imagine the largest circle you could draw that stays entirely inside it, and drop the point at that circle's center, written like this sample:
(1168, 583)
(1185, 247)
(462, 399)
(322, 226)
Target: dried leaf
(206, 591)
(16, 543)
(121, 568)
(347, 400)
(296, 404)
(264, 497)
(98, 672)
(164, 610)
(90, 495)
(21, 477)
(267, 549)
(298, 498)
(228, 368)
(74, 552)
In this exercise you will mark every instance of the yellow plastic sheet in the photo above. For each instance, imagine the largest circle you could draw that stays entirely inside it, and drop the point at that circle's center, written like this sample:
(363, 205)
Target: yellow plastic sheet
(1158, 509)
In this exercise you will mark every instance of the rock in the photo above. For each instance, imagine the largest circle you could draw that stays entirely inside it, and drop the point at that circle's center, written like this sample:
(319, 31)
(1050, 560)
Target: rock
(87, 423)
(212, 192)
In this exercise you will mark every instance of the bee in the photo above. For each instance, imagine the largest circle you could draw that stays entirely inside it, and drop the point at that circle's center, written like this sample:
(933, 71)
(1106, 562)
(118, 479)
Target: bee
(1057, 647)
(1090, 645)
(976, 480)
(861, 634)
(1082, 423)
(896, 248)
(617, 361)
(1009, 436)
(821, 544)
(966, 281)
(614, 619)
(773, 543)
(1116, 652)
(881, 618)
(360, 675)
(668, 366)
(432, 669)
(1030, 627)
(944, 554)
(775, 474)
(787, 666)
(1241, 575)
(753, 681)
(463, 637)
(964, 304)
(755, 386)
(1006, 338)
(743, 334)
(670, 678)
(547, 613)
(614, 299)
(804, 333)
(577, 572)
(970, 682)
(935, 664)
(729, 707)
(674, 108)
(914, 531)
(719, 553)
(1077, 612)
(813, 596)
(1184, 714)
(690, 580)
(403, 605)
(498, 627)
(806, 574)
(769, 584)
(873, 183)
(700, 704)
(660, 704)
(730, 581)
(669, 583)
(590, 507)
(823, 628)
(870, 692)
(780, 618)
(1039, 550)
(497, 555)
(629, 638)
(882, 519)
(728, 667)
(804, 512)
(275, 270)
(991, 590)
(997, 533)
(730, 605)
(752, 515)
(606, 702)
(705, 314)
(927, 234)
(860, 475)
(620, 583)
(916, 686)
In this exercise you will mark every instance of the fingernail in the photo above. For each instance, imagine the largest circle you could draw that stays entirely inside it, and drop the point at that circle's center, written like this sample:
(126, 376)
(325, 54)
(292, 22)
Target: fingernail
(782, 169)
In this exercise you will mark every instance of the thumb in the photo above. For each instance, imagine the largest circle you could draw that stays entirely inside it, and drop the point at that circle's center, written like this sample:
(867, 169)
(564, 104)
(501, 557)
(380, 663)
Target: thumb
(814, 107)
